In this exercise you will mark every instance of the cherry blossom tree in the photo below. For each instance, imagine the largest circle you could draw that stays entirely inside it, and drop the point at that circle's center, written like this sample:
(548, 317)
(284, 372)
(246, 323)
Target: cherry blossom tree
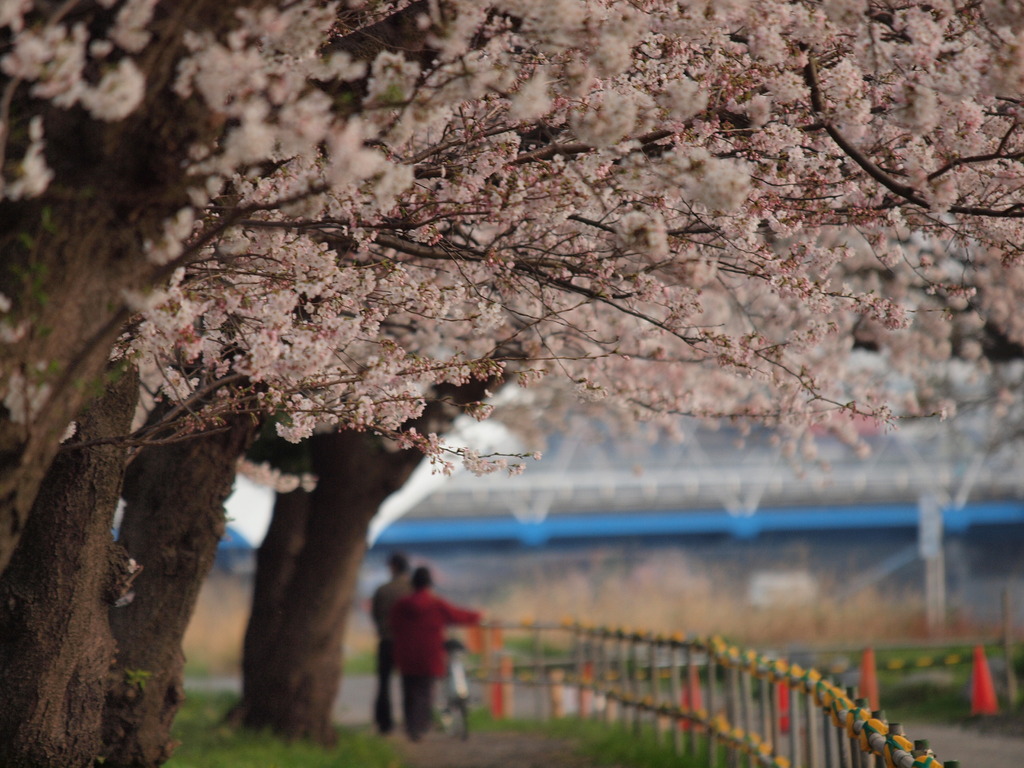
(794, 212)
(657, 202)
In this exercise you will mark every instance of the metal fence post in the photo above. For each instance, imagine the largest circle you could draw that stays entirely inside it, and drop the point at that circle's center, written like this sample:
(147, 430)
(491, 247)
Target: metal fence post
(859, 758)
(601, 677)
(879, 759)
(845, 761)
(826, 732)
(854, 761)
(584, 671)
(732, 706)
(625, 676)
(539, 678)
(636, 682)
(773, 714)
(692, 681)
(712, 733)
(1008, 657)
(810, 730)
(675, 696)
(764, 708)
(794, 726)
(746, 696)
(655, 680)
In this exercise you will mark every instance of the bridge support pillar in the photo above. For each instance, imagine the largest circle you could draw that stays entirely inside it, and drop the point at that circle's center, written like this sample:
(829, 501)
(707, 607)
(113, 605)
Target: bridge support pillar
(929, 539)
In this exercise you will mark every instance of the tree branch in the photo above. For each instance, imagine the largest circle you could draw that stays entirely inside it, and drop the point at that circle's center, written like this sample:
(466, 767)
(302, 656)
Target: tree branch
(902, 190)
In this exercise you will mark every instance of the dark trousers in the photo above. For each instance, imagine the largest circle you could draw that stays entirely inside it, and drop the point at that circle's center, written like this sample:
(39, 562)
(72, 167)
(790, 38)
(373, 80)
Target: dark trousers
(382, 706)
(417, 704)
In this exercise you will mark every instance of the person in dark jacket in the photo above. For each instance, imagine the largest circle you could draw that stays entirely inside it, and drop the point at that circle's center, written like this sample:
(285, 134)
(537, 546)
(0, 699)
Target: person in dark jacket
(384, 599)
(418, 622)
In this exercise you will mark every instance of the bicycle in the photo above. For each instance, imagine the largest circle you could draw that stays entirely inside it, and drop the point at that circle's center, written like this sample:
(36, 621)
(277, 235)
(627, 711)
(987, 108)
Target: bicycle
(455, 714)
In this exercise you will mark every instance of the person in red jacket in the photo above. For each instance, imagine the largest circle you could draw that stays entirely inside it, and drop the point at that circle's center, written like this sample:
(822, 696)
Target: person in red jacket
(418, 624)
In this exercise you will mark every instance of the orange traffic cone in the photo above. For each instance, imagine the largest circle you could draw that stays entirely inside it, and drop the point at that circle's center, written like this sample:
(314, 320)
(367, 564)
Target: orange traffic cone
(783, 698)
(501, 690)
(869, 678)
(586, 691)
(475, 639)
(983, 693)
(693, 700)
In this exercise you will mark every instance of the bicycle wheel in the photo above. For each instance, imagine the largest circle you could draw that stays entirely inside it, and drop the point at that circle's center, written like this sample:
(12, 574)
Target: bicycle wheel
(455, 718)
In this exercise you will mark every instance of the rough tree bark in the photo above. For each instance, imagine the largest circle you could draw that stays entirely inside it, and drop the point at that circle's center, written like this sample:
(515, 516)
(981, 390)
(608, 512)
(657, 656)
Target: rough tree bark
(174, 517)
(275, 565)
(67, 257)
(56, 646)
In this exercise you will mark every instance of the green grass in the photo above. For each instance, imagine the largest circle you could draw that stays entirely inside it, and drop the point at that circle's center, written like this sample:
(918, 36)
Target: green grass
(925, 689)
(620, 746)
(357, 663)
(209, 743)
(925, 702)
(361, 663)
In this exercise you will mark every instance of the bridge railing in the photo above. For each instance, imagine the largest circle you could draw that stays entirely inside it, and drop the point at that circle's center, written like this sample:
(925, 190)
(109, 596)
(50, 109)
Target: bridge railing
(698, 696)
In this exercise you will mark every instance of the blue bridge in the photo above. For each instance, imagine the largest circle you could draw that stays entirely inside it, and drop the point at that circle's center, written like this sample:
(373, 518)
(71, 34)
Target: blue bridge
(926, 477)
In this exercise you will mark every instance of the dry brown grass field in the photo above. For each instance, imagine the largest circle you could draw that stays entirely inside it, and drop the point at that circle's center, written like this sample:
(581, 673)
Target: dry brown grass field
(661, 593)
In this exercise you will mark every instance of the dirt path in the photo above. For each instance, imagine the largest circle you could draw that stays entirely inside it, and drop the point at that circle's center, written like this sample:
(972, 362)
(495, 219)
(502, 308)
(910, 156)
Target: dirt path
(971, 747)
(490, 750)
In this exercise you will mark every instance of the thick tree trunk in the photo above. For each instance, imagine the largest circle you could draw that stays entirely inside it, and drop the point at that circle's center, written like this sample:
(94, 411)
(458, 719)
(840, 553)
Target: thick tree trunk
(293, 646)
(275, 565)
(173, 521)
(56, 645)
